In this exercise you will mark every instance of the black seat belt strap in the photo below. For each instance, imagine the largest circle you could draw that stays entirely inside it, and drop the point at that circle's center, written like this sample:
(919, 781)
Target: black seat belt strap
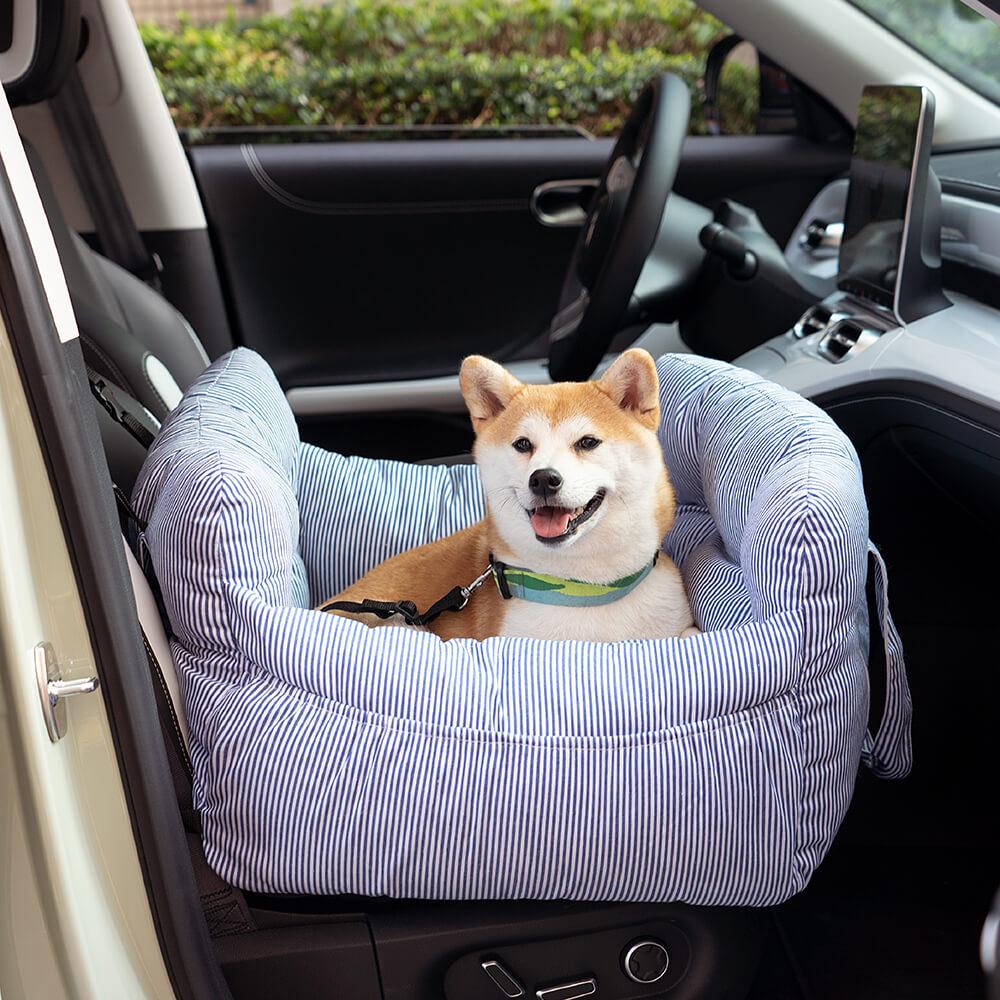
(224, 906)
(133, 527)
(117, 232)
(141, 426)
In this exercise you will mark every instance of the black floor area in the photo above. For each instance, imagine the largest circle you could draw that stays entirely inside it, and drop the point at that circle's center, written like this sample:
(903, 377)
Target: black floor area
(896, 909)
(882, 928)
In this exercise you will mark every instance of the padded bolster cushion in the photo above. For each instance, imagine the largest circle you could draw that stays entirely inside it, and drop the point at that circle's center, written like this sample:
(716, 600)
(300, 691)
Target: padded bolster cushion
(334, 758)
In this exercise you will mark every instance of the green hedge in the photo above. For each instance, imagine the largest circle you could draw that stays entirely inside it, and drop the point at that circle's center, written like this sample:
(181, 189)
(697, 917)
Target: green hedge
(444, 62)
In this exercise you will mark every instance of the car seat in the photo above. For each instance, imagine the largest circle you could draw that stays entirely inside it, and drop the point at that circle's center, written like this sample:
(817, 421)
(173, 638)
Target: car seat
(141, 354)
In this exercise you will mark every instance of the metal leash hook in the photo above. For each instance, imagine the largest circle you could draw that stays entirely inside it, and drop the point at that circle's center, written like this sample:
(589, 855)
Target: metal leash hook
(467, 592)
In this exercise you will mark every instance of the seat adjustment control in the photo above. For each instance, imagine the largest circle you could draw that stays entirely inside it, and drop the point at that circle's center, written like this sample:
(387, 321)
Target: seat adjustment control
(569, 991)
(503, 979)
(646, 961)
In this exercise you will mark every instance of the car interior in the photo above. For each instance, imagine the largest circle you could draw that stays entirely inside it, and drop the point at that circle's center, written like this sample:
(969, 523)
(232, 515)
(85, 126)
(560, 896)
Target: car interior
(364, 271)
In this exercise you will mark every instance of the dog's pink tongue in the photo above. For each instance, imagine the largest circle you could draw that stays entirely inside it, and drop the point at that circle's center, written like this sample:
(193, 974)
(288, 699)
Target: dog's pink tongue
(550, 522)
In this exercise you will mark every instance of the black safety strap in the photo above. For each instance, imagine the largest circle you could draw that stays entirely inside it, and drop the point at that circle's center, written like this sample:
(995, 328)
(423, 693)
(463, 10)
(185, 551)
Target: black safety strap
(117, 232)
(181, 770)
(133, 527)
(455, 600)
(224, 906)
(141, 428)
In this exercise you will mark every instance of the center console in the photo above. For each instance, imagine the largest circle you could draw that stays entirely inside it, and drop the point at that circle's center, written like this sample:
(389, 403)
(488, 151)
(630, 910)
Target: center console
(889, 268)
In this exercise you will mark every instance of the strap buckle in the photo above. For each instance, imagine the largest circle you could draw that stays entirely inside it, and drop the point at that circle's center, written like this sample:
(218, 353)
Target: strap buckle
(499, 571)
(101, 393)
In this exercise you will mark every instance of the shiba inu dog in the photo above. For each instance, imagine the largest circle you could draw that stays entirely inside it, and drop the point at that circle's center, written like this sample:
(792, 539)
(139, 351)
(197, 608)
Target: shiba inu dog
(578, 501)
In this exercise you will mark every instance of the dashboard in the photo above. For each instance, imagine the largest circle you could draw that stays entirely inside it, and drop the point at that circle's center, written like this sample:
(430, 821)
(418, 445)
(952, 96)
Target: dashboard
(955, 350)
(920, 400)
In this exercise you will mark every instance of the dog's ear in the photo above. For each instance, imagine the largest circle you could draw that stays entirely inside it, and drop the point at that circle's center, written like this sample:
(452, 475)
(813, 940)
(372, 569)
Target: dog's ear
(487, 388)
(632, 384)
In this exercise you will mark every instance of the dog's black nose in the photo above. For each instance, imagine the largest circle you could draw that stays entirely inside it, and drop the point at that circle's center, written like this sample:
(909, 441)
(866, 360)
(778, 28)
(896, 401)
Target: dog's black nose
(544, 482)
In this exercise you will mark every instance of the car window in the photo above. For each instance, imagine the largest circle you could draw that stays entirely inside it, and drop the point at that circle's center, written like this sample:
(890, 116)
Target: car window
(434, 63)
(957, 38)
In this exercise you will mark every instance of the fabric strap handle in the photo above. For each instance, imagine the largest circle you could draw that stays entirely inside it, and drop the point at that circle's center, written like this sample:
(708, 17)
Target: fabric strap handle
(889, 752)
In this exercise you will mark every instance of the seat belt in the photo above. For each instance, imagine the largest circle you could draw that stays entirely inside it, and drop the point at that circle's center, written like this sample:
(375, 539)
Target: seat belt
(225, 908)
(137, 420)
(117, 232)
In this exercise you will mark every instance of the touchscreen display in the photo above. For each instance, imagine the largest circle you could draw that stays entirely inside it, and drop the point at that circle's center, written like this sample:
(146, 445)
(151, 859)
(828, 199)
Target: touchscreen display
(885, 145)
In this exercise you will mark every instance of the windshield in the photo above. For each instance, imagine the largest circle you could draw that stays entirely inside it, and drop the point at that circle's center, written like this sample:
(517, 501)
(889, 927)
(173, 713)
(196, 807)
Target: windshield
(954, 36)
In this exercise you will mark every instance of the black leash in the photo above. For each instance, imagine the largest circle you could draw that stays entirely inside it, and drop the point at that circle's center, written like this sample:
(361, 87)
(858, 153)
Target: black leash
(454, 600)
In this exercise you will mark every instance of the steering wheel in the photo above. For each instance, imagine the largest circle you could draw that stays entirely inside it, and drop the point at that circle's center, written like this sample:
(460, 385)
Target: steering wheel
(620, 229)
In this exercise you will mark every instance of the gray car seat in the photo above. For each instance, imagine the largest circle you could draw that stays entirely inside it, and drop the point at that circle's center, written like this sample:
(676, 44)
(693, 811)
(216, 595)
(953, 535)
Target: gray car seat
(141, 354)
(131, 336)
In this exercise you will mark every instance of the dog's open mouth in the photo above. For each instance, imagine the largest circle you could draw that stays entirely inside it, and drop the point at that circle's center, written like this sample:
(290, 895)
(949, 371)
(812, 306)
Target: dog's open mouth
(553, 524)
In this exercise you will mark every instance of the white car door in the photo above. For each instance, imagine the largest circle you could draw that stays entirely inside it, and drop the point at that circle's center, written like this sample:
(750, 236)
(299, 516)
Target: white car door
(75, 919)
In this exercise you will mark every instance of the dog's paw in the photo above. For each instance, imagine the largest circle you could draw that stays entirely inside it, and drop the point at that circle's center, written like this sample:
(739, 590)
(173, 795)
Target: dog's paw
(688, 632)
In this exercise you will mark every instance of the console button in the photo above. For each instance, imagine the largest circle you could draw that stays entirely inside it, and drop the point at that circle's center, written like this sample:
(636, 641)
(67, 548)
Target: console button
(569, 991)
(503, 979)
(646, 961)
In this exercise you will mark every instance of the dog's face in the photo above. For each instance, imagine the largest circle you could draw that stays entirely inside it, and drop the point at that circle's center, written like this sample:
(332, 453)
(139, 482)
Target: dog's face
(574, 475)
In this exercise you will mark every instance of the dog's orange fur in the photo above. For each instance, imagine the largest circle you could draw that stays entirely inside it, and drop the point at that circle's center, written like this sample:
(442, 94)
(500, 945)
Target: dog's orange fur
(424, 574)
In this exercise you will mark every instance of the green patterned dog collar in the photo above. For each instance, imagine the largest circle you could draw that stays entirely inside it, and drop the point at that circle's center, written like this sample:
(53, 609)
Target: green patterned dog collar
(513, 581)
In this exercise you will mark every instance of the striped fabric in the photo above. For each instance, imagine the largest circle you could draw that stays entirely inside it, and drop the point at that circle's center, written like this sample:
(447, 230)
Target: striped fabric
(334, 758)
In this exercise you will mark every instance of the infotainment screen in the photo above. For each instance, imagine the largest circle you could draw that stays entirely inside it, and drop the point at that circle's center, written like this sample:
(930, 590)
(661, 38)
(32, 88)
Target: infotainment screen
(880, 192)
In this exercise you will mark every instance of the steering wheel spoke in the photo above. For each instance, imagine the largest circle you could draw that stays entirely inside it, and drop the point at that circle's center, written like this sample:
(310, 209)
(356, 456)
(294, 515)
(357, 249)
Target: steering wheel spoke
(566, 322)
(620, 229)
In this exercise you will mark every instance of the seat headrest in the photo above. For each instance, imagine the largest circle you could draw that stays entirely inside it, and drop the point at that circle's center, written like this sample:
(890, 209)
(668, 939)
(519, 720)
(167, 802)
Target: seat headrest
(39, 44)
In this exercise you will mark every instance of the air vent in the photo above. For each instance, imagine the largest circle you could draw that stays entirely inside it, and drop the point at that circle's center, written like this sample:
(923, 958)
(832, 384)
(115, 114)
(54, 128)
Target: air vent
(815, 319)
(844, 338)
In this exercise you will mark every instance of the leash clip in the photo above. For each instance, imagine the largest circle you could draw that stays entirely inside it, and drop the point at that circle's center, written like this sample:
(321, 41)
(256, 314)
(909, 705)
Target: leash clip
(468, 591)
(454, 600)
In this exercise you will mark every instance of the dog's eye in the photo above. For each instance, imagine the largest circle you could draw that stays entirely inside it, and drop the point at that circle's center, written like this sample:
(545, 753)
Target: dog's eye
(587, 443)
(523, 445)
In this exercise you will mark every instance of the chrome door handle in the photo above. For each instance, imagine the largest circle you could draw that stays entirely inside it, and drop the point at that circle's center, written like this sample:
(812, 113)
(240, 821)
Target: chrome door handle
(52, 689)
(563, 203)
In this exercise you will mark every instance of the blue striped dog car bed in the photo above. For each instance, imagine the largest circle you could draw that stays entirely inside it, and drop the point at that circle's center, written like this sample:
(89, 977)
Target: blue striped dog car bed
(334, 758)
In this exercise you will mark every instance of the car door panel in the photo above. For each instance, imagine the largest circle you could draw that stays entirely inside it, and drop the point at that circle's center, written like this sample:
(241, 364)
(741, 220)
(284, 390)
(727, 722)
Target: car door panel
(353, 262)
(372, 262)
